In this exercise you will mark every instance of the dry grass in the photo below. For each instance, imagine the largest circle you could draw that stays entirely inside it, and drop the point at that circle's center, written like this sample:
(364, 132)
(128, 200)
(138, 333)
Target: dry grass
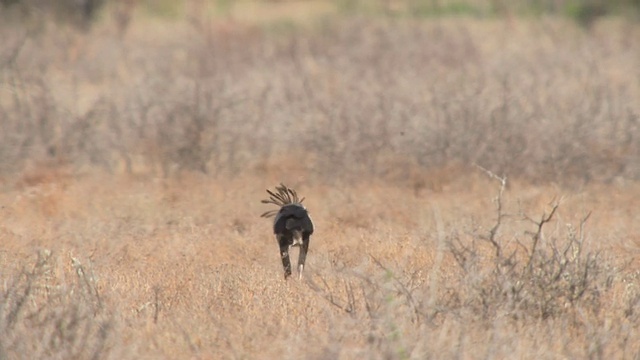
(132, 163)
(118, 267)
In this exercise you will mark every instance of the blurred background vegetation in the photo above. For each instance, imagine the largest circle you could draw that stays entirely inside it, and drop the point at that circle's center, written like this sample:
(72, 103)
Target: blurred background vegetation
(83, 12)
(349, 89)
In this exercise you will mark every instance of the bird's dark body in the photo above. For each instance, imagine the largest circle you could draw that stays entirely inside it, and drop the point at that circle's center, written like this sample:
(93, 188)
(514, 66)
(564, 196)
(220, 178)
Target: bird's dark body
(292, 226)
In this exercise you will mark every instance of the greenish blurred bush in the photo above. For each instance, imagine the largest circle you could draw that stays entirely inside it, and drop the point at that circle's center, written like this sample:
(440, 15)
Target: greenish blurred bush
(80, 13)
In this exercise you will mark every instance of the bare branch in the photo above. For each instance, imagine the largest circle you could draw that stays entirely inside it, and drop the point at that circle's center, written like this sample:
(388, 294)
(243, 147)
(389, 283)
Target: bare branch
(499, 212)
(538, 234)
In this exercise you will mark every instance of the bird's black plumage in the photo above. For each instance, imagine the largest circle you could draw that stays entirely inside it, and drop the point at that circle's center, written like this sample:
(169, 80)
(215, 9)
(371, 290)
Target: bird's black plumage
(292, 217)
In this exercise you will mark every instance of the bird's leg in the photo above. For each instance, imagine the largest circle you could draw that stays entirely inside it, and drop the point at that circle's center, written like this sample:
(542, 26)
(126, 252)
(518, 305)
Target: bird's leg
(286, 264)
(303, 254)
(284, 254)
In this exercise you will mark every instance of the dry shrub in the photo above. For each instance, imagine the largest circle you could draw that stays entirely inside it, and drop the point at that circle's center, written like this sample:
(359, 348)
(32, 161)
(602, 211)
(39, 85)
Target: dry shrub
(539, 276)
(54, 311)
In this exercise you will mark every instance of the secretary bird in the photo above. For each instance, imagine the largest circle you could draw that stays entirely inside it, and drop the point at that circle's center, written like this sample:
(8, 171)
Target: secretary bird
(292, 225)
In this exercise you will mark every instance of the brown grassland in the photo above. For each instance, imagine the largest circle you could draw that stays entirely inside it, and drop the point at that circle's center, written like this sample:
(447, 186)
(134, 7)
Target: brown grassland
(474, 183)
